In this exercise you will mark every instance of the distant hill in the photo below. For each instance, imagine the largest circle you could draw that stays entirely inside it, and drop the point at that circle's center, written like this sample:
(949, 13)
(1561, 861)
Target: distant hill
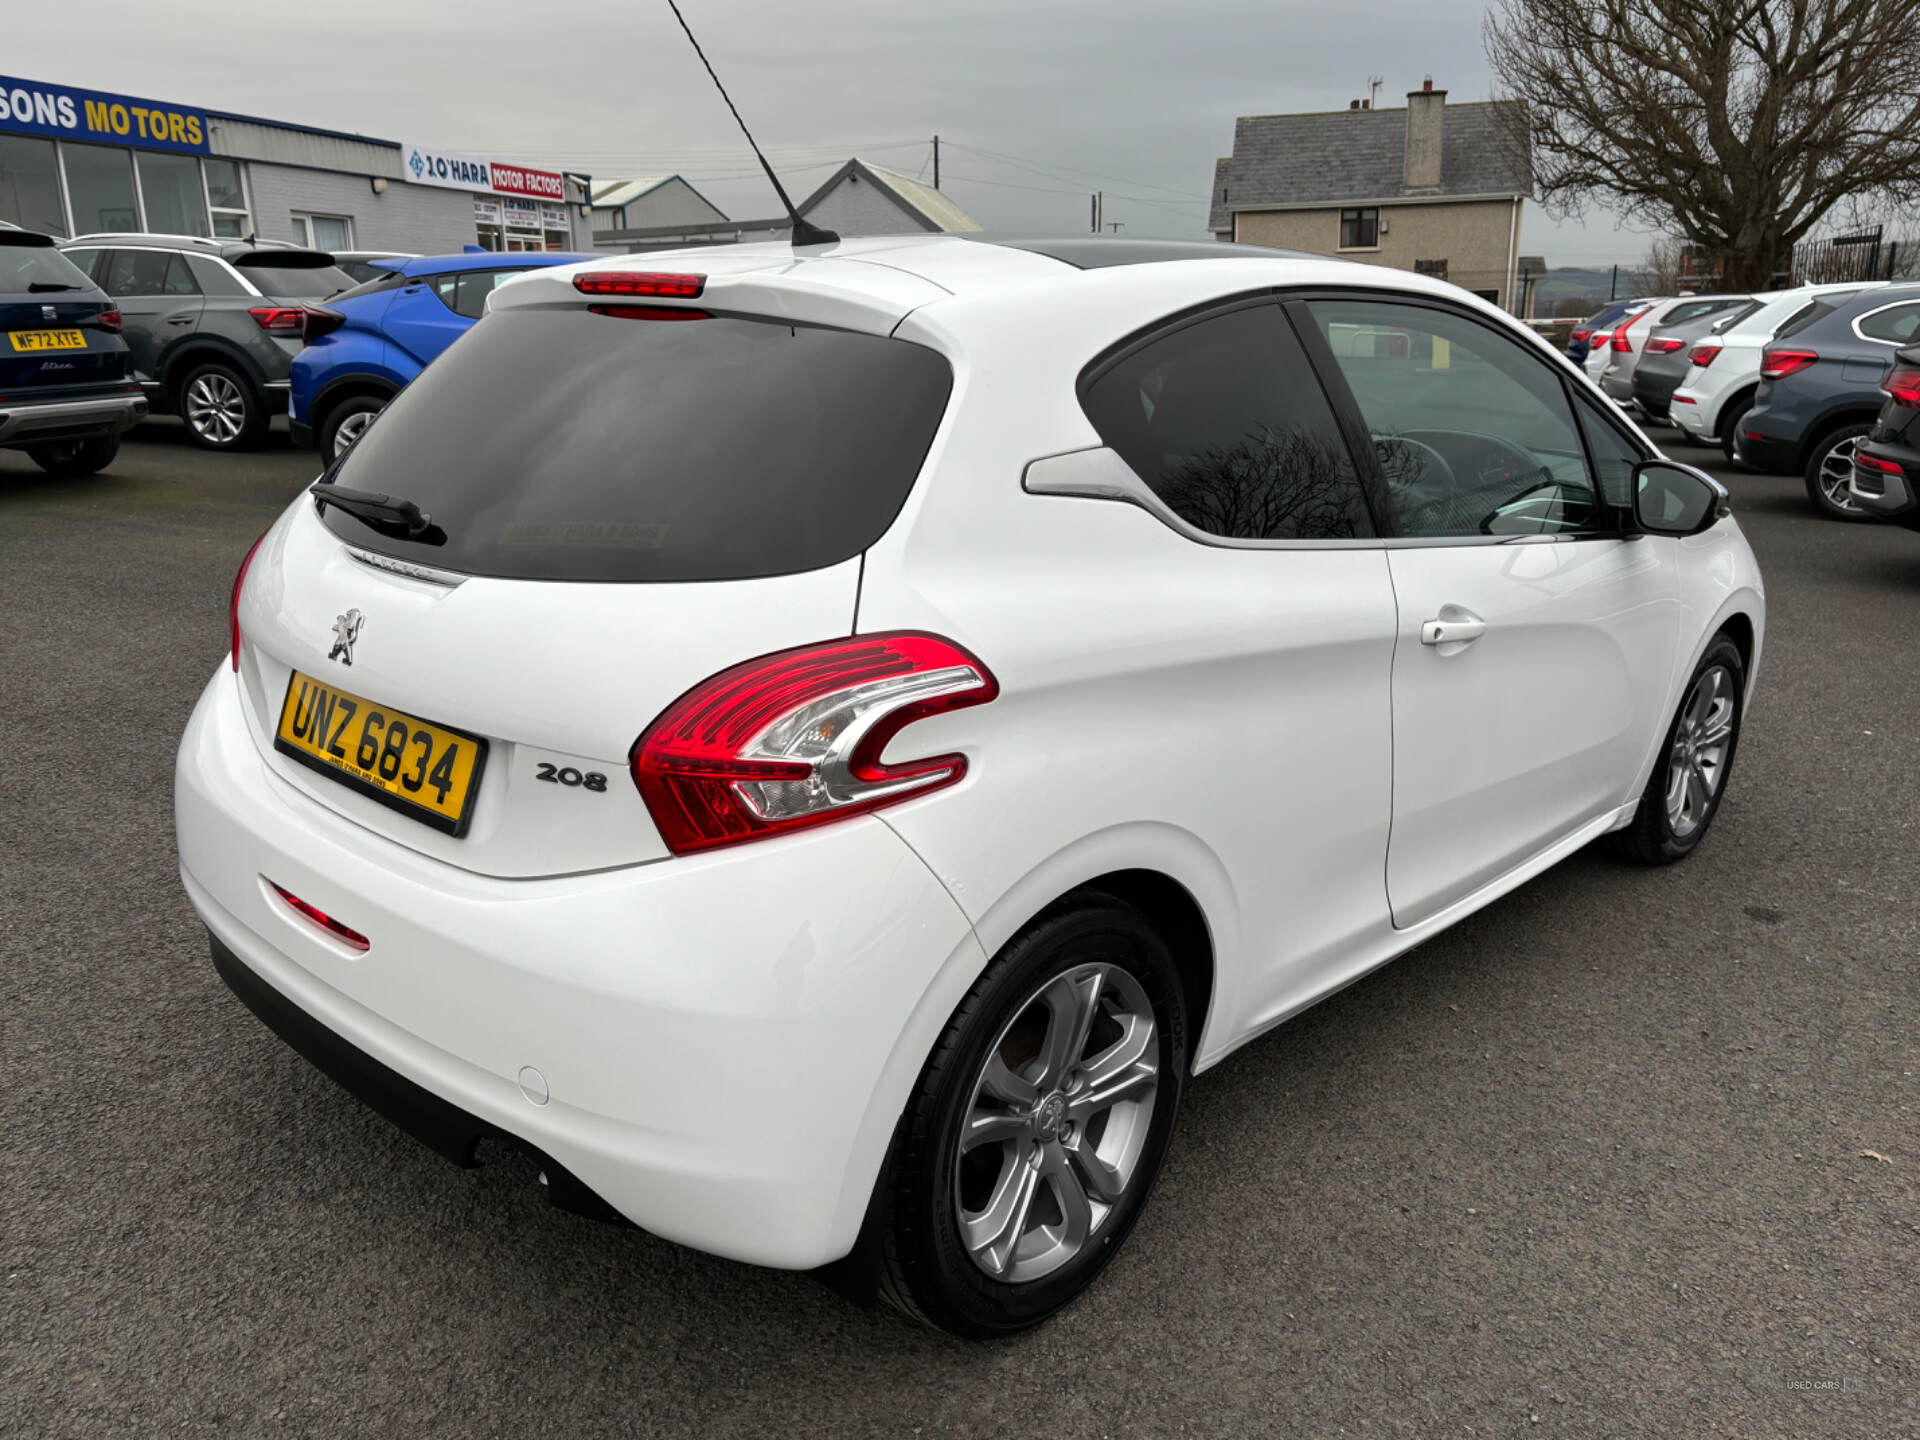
(1577, 282)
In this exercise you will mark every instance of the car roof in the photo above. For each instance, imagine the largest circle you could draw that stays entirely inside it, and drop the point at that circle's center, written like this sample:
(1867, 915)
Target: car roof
(979, 291)
(226, 249)
(485, 260)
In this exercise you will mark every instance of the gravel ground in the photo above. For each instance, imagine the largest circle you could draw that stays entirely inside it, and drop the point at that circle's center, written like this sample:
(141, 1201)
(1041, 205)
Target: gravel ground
(1594, 1162)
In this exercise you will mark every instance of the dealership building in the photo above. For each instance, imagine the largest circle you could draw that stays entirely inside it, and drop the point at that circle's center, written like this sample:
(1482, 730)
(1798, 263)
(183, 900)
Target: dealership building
(77, 162)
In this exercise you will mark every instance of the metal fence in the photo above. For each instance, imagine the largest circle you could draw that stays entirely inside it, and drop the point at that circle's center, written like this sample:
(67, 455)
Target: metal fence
(1867, 255)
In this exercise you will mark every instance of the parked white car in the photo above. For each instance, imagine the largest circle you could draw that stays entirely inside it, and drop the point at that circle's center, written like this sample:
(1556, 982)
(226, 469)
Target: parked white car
(1627, 344)
(1600, 343)
(819, 746)
(1725, 369)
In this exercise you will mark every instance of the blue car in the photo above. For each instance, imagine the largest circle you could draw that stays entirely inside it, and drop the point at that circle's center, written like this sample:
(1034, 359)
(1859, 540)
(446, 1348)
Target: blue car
(366, 345)
(1820, 390)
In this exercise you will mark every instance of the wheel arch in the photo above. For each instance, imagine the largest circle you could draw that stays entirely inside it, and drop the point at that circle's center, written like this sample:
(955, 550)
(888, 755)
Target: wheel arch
(1735, 405)
(1820, 431)
(200, 350)
(349, 387)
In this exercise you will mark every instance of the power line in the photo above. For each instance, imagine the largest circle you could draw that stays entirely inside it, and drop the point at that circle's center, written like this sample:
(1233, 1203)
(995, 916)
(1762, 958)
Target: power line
(1068, 172)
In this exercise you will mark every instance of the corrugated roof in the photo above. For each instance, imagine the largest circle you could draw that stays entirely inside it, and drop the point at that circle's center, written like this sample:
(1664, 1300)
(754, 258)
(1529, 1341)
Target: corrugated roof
(1341, 155)
(616, 193)
(932, 206)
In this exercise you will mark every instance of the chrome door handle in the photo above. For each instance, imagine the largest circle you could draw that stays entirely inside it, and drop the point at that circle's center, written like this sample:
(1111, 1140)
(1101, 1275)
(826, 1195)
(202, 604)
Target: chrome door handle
(179, 319)
(1462, 631)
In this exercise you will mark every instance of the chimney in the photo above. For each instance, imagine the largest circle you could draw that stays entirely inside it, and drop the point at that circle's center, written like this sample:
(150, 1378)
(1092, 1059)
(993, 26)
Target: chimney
(1353, 105)
(1426, 112)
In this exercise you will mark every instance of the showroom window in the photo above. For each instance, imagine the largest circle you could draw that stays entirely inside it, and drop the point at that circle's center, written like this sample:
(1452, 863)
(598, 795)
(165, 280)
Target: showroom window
(100, 188)
(175, 200)
(227, 199)
(324, 232)
(112, 189)
(486, 224)
(30, 185)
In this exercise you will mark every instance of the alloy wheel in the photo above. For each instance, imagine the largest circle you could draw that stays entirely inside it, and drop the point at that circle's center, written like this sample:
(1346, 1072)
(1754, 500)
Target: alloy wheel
(1698, 761)
(216, 408)
(349, 431)
(1836, 475)
(1057, 1122)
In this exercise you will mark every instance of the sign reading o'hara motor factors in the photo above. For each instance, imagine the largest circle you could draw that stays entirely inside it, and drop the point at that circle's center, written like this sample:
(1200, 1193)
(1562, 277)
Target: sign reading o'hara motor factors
(424, 166)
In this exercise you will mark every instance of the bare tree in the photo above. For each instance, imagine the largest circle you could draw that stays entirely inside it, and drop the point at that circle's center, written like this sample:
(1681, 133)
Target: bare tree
(1734, 124)
(1660, 271)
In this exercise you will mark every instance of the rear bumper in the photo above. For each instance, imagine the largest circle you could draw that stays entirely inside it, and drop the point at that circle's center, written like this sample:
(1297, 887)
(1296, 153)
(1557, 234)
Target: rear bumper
(25, 422)
(1691, 415)
(718, 1047)
(1769, 454)
(1894, 498)
(301, 432)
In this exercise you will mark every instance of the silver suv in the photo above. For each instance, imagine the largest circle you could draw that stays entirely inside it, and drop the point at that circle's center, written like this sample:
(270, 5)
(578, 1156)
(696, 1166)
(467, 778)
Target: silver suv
(213, 325)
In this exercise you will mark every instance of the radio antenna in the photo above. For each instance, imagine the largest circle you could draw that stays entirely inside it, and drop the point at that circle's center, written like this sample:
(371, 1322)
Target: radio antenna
(804, 231)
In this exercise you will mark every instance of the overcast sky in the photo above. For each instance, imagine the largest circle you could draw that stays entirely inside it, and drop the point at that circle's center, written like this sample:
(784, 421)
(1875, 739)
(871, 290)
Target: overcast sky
(1037, 104)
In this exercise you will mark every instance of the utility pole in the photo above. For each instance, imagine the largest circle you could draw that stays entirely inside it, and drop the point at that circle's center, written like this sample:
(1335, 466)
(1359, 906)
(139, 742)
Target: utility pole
(936, 162)
(1093, 213)
(1613, 285)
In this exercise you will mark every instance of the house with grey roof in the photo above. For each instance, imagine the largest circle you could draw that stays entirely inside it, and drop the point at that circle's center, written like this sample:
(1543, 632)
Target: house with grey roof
(1434, 188)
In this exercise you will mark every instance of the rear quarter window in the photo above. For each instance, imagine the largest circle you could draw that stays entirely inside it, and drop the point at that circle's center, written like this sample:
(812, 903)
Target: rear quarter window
(552, 443)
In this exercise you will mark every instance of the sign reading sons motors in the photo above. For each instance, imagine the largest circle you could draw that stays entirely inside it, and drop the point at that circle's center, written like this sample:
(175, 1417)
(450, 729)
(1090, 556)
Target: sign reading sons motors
(467, 172)
(61, 112)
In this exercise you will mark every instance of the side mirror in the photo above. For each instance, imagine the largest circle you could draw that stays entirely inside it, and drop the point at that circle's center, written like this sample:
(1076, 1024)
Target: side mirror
(1672, 499)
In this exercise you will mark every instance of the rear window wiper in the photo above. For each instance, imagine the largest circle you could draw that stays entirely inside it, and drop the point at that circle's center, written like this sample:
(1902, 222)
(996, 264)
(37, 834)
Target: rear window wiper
(391, 513)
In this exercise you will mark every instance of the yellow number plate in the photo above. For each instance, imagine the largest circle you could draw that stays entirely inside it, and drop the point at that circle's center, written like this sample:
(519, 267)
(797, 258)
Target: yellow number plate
(420, 769)
(47, 339)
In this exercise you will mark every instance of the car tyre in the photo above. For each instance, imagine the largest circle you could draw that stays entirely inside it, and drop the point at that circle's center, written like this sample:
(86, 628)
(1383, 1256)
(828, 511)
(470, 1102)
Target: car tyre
(1689, 779)
(1730, 429)
(72, 459)
(222, 409)
(1830, 471)
(346, 423)
(1039, 1124)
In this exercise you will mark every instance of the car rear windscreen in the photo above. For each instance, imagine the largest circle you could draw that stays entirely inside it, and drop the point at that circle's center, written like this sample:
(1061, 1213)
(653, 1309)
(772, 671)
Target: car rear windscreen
(29, 265)
(295, 282)
(559, 444)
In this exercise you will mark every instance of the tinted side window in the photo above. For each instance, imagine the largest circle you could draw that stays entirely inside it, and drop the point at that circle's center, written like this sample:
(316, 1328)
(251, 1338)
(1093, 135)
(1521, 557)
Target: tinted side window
(470, 299)
(212, 277)
(88, 261)
(137, 274)
(1226, 422)
(1898, 325)
(1811, 315)
(1473, 434)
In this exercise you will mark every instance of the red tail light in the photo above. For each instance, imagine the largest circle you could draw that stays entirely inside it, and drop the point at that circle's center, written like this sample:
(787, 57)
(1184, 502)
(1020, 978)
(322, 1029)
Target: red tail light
(289, 322)
(1663, 345)
(317, 321)
(1703, 354)
(1778, 364)
(640, 282)
(1580, 336)
(1904, 385)
(1864, 461)
(1621, 343)
(233, 602)
(649, 312)
(109, 320)
(320, 917)
(794, 739)
(1599, 339)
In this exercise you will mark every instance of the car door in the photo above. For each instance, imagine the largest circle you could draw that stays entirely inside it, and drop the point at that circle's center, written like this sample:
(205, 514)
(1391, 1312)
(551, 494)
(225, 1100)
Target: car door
(159, 303)
(421, 322)
(1252, 625)
(1536, 641)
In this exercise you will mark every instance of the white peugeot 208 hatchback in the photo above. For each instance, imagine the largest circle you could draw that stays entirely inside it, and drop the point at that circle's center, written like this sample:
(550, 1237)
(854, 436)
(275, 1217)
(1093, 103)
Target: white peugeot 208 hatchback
(820, 745)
